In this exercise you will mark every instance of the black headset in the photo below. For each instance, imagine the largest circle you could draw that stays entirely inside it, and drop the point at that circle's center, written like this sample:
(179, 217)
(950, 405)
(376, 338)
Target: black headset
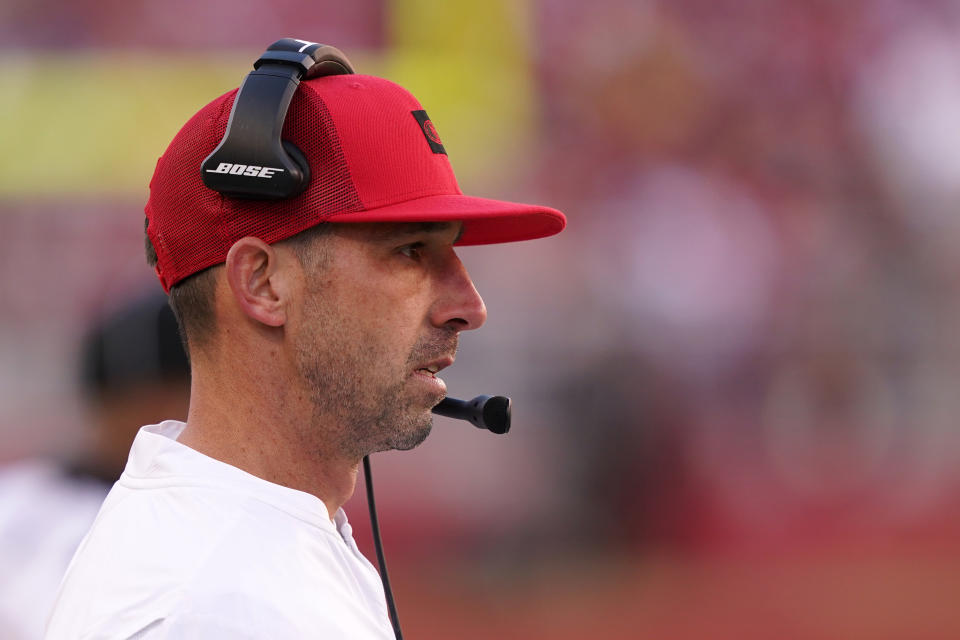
(252, 161)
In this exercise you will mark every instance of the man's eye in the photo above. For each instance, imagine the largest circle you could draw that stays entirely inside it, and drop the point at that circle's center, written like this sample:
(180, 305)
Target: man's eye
(413, 251)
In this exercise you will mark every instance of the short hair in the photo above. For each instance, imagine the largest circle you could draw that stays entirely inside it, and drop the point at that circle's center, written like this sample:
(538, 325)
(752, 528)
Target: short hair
(192, 298)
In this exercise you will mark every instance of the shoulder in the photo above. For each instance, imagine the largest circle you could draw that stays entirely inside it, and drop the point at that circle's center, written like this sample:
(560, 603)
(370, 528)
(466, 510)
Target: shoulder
(234, 615)
(241, 615)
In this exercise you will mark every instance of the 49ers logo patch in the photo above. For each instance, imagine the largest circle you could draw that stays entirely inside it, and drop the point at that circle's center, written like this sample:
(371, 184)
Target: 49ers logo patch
(429, 131)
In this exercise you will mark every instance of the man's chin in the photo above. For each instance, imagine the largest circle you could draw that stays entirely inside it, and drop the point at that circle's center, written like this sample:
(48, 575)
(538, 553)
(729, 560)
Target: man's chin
(412, 437)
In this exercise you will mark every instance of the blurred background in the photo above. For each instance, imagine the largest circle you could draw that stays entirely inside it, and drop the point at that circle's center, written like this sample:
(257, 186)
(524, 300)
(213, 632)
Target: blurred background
(735, 375)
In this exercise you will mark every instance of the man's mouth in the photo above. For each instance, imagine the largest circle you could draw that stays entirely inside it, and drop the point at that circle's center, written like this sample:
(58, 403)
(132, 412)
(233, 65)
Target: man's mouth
(433, 368)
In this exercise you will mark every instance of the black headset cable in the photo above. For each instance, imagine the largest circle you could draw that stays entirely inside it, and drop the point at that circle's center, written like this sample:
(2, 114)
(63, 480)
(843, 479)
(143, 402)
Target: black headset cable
(375, 529)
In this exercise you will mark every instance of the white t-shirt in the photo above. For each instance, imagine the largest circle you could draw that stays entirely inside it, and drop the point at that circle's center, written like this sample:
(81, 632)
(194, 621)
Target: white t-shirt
(44, 513)
(186, 547)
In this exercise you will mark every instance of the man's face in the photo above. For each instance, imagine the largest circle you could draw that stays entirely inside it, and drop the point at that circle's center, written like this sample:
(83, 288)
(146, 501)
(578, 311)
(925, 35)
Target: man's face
(382, 312)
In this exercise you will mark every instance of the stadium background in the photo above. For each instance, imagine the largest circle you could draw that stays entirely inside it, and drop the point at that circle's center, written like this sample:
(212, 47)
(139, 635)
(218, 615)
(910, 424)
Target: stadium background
(735, 375)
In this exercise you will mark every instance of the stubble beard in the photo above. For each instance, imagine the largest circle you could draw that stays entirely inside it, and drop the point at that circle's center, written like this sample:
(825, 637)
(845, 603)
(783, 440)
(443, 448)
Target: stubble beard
(365, 424)
(359, 407)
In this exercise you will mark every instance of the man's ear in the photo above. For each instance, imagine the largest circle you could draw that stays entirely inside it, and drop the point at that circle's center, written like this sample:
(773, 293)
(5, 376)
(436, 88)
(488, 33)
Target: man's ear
(253, 273)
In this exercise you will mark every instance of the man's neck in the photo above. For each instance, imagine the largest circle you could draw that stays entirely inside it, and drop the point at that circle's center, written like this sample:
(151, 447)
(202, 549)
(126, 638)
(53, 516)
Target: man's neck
(269, 434)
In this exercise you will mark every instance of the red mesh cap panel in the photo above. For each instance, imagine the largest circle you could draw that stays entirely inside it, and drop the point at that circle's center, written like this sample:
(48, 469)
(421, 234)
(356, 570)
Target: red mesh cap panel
(181, 208)
(192, 227)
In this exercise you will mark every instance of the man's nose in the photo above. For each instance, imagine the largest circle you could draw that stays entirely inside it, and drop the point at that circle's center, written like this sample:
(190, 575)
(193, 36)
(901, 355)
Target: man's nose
(459, 305)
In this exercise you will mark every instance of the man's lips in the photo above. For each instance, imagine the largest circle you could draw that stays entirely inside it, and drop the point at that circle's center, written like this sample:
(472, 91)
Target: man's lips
(434, 366)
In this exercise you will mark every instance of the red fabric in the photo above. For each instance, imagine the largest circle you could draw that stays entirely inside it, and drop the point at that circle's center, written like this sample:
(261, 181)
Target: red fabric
(370, 162)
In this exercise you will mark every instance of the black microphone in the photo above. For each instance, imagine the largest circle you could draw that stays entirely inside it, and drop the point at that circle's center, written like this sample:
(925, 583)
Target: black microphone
(484, 412)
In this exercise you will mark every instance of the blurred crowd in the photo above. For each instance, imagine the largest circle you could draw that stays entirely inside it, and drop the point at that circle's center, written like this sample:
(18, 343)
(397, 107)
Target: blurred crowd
(741, 346)
(764, 194)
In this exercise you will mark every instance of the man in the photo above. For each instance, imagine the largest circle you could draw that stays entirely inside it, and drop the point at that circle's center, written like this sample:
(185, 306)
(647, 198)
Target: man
(132, 370)
(315, 325)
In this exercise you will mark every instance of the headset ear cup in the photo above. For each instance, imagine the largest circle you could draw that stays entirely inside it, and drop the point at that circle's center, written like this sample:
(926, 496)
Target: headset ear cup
(301, 161)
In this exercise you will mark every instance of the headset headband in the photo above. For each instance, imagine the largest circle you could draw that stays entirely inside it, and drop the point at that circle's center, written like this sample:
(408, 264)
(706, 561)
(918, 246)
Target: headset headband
(252, 161)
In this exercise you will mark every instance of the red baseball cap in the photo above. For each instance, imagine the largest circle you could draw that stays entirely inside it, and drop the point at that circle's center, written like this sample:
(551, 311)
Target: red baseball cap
(374, 156)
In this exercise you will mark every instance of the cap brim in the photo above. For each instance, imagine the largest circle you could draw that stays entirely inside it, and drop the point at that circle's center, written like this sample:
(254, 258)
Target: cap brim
(485, 221)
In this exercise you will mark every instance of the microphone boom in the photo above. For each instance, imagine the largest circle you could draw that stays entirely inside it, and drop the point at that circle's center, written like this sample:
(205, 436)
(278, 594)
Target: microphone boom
(484, 412)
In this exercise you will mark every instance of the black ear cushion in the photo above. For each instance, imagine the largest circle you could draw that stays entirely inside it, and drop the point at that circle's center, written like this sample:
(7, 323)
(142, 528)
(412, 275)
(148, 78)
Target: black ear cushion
(301, 161)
